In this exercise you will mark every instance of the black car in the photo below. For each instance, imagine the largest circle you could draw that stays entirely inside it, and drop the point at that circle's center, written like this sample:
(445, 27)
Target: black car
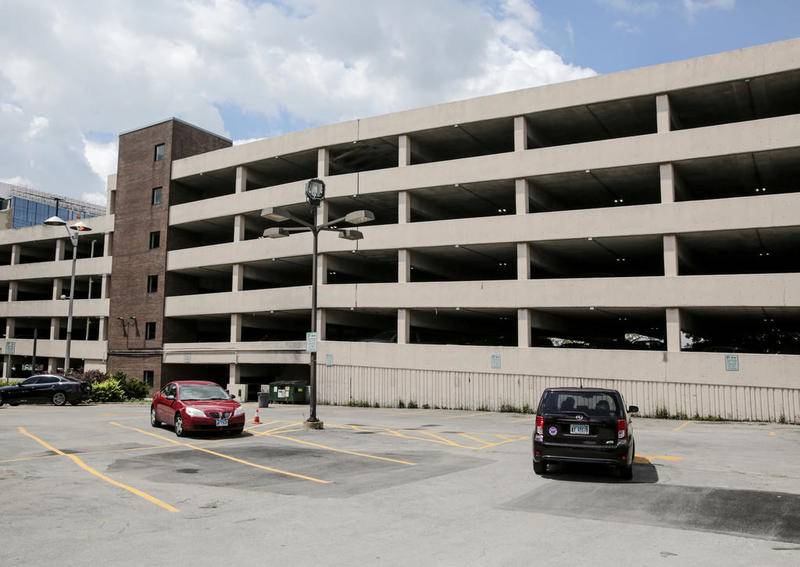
(584, 425)
(57, 390)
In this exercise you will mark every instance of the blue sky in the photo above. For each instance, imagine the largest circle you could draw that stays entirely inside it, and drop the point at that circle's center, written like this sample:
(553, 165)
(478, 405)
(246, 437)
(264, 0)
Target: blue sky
(73, 74)
(613, 36)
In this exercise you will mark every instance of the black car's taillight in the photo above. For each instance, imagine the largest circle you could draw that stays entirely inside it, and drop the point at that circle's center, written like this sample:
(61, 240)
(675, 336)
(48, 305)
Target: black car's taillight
(622, 428)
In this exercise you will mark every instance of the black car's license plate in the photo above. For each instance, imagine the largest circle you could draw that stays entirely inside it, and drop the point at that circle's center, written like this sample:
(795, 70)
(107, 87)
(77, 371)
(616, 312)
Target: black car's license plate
(579, 429)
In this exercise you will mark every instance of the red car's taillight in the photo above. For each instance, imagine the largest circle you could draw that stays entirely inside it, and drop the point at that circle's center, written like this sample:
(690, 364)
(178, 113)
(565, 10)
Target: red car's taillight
(539, 425)
(622, 429)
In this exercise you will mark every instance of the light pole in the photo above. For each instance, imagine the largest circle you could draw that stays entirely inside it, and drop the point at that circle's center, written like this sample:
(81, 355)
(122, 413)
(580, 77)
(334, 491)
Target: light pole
(73, 232)
(315, 194)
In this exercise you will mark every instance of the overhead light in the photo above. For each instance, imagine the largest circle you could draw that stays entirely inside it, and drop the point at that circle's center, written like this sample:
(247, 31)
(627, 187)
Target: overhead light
(55, 221)
(351, 234)
(276, 232)
(274, 214)
(80, 226)
(359, 217)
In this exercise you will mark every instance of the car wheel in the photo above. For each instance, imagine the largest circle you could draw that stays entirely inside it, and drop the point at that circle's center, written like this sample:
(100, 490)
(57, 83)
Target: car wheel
(59, 399)
(238, 431)
(540, 467)
(179, 426)
(153, 421)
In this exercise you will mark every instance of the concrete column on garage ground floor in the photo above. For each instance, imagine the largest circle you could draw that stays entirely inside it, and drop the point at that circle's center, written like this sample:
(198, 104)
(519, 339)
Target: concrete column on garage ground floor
(235, 385)
(52, 364)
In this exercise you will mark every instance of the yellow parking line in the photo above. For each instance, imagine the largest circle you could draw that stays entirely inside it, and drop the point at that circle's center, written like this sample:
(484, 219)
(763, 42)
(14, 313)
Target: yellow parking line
(474, 438)
(101, 476)
(772, 434)
(441, 438)
(336, 450)
(682, 425)
(263, 423)
(99, 452)
(274, 429)
(661, 457)
(224, 456)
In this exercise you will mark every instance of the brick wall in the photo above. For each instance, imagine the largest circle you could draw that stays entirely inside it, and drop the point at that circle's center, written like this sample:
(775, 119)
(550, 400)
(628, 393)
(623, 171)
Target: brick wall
(135, 217)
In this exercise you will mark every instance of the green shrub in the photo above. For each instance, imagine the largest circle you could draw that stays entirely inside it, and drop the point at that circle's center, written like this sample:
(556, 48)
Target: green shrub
(412, 404)
(401, 404)
(108, 390)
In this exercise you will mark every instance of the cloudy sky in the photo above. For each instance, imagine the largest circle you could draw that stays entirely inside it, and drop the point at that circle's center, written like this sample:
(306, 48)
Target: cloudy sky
(75, 73)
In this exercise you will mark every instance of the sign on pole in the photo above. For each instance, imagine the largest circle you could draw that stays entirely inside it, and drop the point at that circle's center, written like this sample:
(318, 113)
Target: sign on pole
(311, 342)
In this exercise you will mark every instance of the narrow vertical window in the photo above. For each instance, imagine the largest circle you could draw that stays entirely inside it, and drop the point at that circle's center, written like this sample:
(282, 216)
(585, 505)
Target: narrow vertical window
(155, 197)
(155, 239)
(160, 152)
(152, 284)
(150, 330)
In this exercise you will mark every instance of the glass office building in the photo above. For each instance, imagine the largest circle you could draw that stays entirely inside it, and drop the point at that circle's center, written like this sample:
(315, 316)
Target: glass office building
(27, 207)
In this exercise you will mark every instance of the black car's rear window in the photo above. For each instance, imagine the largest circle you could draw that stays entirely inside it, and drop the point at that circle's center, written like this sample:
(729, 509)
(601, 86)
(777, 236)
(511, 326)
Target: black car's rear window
(592, 403)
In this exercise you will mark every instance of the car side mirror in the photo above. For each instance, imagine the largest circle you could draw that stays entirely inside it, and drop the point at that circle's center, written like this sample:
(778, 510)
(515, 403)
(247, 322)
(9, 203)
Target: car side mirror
(633, 409)
(170, 397)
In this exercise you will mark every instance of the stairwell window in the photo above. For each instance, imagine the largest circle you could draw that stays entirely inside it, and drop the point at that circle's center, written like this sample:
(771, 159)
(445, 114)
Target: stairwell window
(155, 197)
(150, 331)
(160, 152)
(152, 284)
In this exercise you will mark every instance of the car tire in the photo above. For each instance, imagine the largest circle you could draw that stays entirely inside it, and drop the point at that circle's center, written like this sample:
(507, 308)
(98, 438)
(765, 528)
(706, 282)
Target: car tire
(2, 401)
(238, 431)
(59, 399)
(75, 402)
(153, 421)
(179, 431)
(540, 467)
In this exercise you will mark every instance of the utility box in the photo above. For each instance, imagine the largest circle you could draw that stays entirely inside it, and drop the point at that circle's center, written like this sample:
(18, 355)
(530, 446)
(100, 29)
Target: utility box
(289, 392)
(240, 391)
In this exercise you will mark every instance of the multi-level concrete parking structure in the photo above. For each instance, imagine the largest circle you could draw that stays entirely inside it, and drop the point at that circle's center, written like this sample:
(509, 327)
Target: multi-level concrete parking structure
(638, 230)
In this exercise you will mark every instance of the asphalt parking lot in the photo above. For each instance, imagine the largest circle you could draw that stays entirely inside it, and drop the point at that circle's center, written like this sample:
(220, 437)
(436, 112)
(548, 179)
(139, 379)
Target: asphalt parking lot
(92, 484)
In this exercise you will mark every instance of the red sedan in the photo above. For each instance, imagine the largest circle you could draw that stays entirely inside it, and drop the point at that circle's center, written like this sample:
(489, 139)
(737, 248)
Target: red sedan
(192, 405)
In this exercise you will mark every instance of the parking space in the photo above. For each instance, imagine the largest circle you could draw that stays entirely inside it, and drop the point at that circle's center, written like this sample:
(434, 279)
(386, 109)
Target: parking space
(394, 486)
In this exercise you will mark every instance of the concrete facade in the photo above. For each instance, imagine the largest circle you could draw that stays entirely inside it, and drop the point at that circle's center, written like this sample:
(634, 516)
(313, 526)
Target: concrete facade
(636, 230)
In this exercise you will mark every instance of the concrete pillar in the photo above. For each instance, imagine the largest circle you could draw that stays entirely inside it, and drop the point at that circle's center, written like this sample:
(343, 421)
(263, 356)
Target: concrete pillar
(322, 268)
(673, 329)
(663, 114)
(102, 328)
(403, 207)
(241, 179)
(16, 250)
(523, 261)
(668, 179)
(403, 150)
(108, 242)
(234, 374)
(10, 327)
(403, 326)
(520, 133)
(323, 162)
(58, 288)
(670, 255)
(403, 265)
(522, 190)
(323, 213)
(235, 386)
(55, 328)
(237, 283)
(104, 281)
(322, 318)
(524, 323)
(236, 327)
(61, 245)
(238, 224)
(6, 366)
(13, 288)
(52, 365)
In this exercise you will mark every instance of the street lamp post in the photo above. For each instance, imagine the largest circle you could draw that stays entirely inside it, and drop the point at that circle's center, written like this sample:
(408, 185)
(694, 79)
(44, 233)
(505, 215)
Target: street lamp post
(315, 194)
(73, 232)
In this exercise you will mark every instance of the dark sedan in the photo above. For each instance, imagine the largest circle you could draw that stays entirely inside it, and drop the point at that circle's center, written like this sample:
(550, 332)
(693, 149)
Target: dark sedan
(584, 425)
(44, 388)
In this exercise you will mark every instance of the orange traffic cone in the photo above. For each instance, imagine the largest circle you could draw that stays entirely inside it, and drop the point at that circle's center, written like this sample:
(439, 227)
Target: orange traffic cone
(256, 419)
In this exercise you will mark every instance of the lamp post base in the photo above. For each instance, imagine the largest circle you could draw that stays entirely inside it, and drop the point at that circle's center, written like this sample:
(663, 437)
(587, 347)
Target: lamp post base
(317, 424)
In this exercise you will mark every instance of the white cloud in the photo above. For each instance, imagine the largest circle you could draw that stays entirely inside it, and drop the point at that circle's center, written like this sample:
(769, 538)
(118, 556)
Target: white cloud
(96, 198)
(102, 158)
(107, 67)
(692, 7)
(627, 27)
